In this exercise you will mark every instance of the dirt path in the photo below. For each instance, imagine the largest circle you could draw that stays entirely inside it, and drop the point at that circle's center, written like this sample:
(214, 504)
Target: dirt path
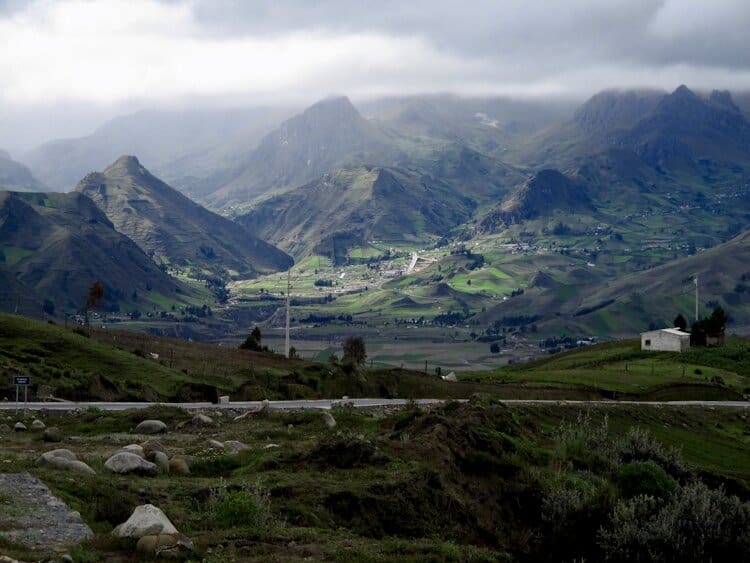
(30, 515)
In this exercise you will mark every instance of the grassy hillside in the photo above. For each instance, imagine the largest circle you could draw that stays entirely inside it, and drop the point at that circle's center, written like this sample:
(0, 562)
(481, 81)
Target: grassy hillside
(621, 370)
(461, 482)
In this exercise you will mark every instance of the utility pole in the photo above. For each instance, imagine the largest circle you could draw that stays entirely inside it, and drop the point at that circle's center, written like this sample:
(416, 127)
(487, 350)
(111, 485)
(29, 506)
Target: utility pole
(288, 287)
(695, 281)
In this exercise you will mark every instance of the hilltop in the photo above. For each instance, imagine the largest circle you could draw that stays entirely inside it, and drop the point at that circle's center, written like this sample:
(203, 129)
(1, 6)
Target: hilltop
(16, 176)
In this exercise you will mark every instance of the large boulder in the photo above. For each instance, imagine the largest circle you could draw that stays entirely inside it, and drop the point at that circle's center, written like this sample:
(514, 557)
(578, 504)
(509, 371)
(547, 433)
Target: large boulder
(19, 427)
(134, 449)
(128, 462)
(63, 459)
(233, 446)
(146, 520)
(151, 427)
(161, 460)
(150, 447)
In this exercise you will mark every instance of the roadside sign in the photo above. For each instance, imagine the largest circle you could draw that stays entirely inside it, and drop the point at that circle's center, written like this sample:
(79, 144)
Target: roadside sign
(21, 380)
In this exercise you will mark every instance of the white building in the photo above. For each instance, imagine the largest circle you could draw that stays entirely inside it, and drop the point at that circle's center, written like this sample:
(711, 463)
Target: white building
(665, 340)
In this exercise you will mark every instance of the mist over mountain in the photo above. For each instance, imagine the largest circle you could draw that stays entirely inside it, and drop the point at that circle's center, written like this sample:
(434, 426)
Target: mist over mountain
(184, 146)
(326, 135)
(173, 229)
(16, 176)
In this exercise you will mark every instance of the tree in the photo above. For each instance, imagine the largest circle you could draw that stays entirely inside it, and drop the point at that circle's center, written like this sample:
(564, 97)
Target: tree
(93, 298)
(252, 342)
(354, 350)
(680, 322)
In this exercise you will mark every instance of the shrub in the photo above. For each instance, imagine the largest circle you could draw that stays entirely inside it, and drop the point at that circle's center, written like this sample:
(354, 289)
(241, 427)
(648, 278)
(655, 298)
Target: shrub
(639, 445)
(237, 509)
(644, 478)
(246, 507)
(696, 524)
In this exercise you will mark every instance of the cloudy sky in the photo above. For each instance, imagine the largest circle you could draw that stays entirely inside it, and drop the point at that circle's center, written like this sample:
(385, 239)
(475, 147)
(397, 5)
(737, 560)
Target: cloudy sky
(66, 65)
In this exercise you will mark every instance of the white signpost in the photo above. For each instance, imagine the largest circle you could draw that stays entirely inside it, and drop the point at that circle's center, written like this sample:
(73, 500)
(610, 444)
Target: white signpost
(22, 381)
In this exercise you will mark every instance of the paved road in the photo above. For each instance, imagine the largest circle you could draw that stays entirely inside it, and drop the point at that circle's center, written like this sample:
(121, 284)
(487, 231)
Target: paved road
(358, 403)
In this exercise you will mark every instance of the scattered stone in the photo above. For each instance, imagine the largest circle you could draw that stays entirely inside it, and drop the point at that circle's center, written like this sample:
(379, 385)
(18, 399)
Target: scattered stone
(202, 420)
(166, 545)
(223, 399)
(233, 446)
(150, 447)
(52, 434)
(151, 427)
(4, 428)
(64, 459)
(20, 427)
(263, 407)
(161, 460)
(66, 558)
(270, 446)
(450, 377)
(146, 520)
(38, 424)
(329, 420)
(178, 466)
(134, 449)
(127, 462)
(215, 444)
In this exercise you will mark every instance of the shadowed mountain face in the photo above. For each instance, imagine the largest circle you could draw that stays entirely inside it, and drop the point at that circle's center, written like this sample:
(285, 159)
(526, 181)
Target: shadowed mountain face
(15, 176)
(543, 193)
(355, 204)
(54, 246)
(323, 137)
(174, 230)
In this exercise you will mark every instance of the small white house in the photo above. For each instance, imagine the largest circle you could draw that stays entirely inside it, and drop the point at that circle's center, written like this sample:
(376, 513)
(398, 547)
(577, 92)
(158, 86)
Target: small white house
(665, 340)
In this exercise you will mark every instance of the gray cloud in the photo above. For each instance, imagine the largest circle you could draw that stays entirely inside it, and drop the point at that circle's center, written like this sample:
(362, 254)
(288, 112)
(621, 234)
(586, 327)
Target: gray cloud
(136, 53)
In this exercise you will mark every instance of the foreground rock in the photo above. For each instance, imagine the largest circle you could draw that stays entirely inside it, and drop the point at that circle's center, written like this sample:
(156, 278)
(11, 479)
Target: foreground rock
(135, 449)
(63, 459)
(151, 427)
(52, 434)
(19, 427)
(202, 420)
(37, 424)
(146, 520)
(178, 466)
(165, 545)
(128, 462)
(329, 420)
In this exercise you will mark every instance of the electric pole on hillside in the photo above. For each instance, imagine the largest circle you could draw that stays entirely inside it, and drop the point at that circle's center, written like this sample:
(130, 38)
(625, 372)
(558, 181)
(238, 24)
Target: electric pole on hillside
(695, 281)
(288, 287)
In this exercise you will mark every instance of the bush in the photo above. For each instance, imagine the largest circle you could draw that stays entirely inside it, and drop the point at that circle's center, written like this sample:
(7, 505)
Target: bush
(639, 445)
(237, 509)
(696, 524)
(644, 478)
(247, 507)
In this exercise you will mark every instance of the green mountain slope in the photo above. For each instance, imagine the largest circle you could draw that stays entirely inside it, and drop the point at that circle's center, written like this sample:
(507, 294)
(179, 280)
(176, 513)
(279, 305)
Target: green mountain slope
(54, 246)
(353, 205)
(173, 229)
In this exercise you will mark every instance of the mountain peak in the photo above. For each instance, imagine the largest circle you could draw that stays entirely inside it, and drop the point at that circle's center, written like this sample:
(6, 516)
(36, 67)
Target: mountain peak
(683, 91)
(724, 99)
(126, 163)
